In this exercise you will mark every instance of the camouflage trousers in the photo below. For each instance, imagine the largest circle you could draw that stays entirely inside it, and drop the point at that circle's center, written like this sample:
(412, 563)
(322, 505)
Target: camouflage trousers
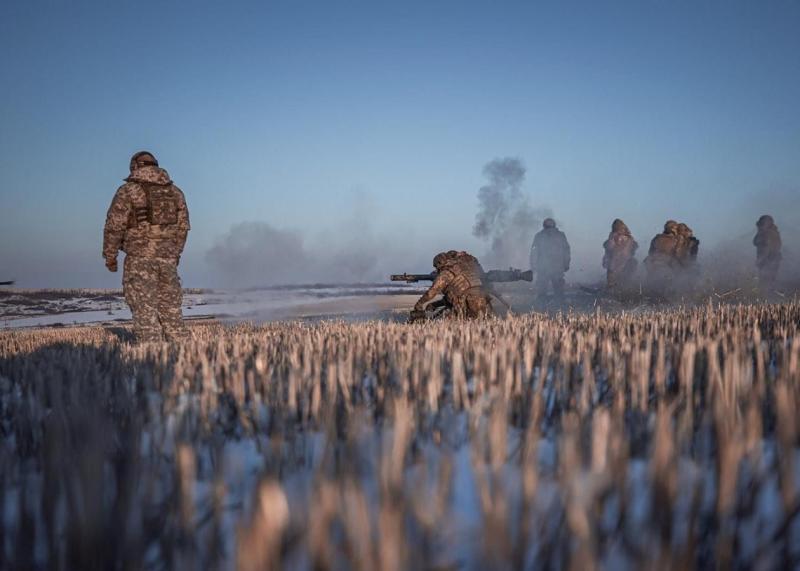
(473, 305)
(660, 281)
(616, 279)
(620, 278)
(153, 291)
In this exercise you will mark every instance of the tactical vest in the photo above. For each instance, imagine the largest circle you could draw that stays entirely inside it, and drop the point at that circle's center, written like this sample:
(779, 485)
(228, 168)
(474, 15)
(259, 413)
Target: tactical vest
(768, 244)
(620, 248)
(155, 227)
(465, 276)
(159, 208)
(664, 244)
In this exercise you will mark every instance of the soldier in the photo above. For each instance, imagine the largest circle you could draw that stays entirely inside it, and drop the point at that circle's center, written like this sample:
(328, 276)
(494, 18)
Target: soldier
(149, 221)
(686, 251)
(619, 260)
(687, 247)
(550, 257)
(768, 251)
(661, 261)
(460, 279)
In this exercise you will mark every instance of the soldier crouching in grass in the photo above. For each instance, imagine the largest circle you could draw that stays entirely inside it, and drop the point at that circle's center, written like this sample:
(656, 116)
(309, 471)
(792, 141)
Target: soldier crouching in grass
(459, 279)
(149, 221)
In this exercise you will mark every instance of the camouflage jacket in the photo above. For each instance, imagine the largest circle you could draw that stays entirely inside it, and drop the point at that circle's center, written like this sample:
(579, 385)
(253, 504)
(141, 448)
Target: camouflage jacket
(662, 249)
(147, 218)
(455, 281)
(686, 249)
(768, 245)
(550, 252)
(619, 251)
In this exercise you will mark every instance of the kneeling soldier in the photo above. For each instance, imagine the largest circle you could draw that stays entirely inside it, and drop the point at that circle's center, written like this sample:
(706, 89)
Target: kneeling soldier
(460, 280)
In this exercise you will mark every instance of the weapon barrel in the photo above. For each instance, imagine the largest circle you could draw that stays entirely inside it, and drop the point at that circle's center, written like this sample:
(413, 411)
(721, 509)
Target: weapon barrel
(412, 278)
(510, 275)
(6, 283)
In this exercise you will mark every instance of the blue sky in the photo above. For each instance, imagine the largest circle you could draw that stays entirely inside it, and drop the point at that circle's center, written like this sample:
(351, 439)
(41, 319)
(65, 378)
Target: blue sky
(294, 113)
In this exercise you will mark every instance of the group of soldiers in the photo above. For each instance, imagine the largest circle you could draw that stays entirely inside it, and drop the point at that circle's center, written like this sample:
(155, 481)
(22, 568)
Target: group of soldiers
(148, 220)
(671, 267)
(671, 262)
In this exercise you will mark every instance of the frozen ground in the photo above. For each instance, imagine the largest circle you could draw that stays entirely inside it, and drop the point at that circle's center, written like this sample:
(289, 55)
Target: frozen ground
(388, 301)
(38, 308)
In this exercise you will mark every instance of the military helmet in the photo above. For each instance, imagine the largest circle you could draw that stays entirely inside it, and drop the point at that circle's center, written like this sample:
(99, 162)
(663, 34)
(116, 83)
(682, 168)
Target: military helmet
(684, 230)
(440, 259)
(548, 223)
(141, 159)
(670, 227)
(618, 226)
(765, 220)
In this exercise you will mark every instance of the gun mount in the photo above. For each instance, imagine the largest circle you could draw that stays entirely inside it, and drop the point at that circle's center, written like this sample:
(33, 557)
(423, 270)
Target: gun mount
(493, 276)
(413, 278)
(509, 275)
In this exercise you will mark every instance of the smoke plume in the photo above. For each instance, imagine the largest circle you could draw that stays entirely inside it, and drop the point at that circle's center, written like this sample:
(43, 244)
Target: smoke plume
(257, 253)
(505, 216)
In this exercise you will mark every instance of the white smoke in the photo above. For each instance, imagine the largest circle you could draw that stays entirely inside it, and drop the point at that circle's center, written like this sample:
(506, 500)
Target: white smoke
(259, 253)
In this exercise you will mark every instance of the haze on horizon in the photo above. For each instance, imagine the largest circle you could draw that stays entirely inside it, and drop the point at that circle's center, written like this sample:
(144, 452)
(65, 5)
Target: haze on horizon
(348, 140)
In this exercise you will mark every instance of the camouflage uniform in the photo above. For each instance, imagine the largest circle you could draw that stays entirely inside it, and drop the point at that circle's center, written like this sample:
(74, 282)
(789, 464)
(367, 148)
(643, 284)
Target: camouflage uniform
(686, 250)
(768, 251)
(619, 260)
(661, 261)
(550, 258)
(149, 221)
(460, 281)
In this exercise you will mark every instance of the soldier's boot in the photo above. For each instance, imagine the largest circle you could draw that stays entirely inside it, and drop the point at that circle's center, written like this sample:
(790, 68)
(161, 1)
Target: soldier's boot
(139, 283)
(170, 297)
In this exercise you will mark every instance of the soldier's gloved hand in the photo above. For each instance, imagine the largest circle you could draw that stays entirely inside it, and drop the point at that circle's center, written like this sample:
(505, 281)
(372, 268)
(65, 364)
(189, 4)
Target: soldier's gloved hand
(417, 315)
(111, 264)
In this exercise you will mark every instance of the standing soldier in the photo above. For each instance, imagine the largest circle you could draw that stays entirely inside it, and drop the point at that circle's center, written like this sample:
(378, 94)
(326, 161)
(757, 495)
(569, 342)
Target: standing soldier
(460, 279)
(149, 221)
(619, 260)
(768, 251)
(686, 252)
(661, 261)
(550, 257)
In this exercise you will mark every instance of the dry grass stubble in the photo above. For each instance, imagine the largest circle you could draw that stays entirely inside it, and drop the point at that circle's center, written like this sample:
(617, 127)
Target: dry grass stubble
(666, 439)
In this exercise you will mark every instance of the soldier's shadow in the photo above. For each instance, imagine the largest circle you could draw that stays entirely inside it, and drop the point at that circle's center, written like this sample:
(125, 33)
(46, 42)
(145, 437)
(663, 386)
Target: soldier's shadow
(75, 413)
